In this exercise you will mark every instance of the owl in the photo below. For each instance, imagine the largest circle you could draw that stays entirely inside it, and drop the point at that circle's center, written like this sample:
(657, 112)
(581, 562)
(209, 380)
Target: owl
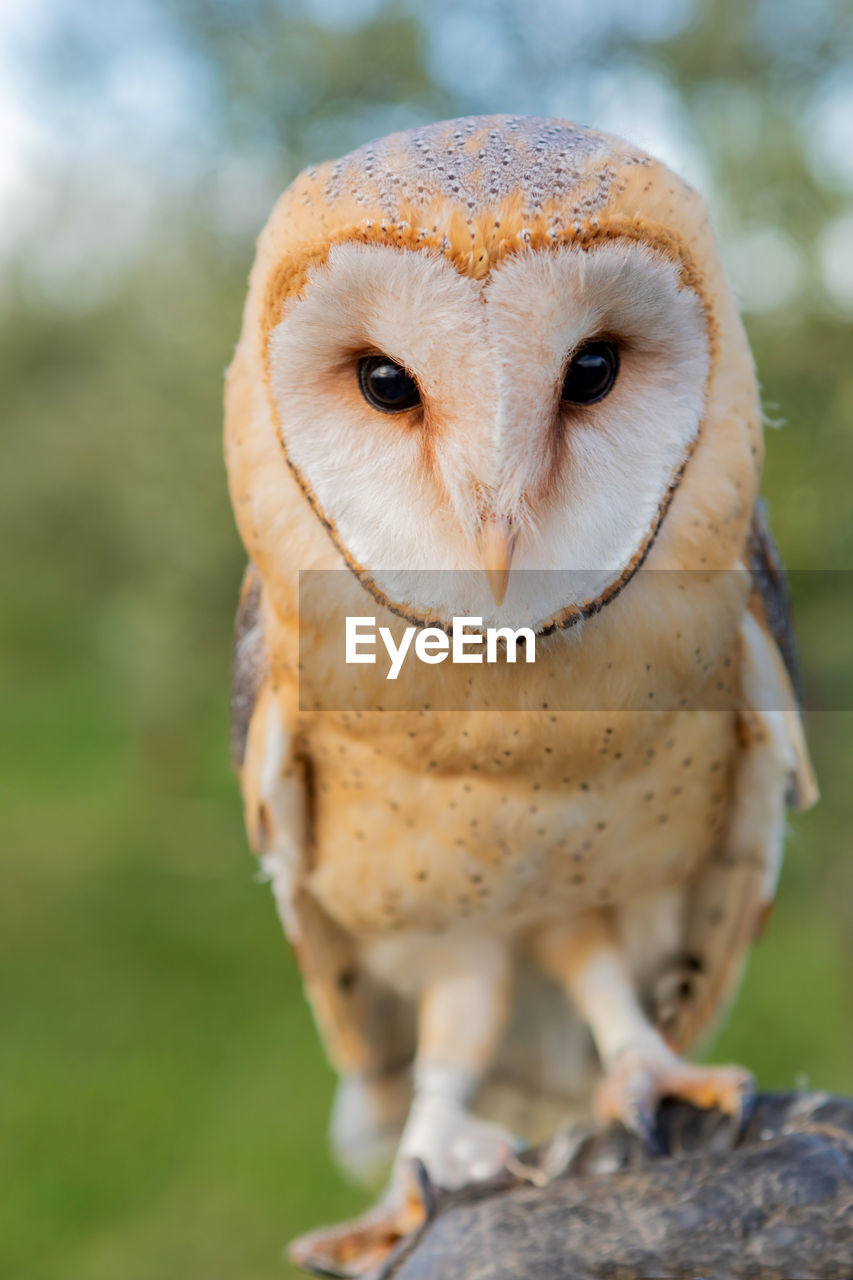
(492, 368)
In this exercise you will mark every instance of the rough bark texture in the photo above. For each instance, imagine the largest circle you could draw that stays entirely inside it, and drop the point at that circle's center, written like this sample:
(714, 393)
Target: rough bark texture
(776, 1203)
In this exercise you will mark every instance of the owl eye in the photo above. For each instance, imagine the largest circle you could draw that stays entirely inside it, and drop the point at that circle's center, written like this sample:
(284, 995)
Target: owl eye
(591, 374)
(386, 386)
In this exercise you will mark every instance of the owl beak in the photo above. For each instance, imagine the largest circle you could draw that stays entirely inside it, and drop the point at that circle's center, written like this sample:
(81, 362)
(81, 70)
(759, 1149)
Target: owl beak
(497, 543)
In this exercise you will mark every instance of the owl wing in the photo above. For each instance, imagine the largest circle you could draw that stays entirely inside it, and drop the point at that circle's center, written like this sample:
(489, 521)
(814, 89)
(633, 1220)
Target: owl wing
(732, 894)
(360, 1024)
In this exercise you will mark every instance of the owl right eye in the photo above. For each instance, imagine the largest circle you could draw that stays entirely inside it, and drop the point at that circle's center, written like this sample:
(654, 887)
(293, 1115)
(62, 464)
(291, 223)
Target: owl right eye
(386, 386)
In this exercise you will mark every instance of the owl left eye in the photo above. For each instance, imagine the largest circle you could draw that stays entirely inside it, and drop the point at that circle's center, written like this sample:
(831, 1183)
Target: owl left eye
(386, 386)
(592, 373)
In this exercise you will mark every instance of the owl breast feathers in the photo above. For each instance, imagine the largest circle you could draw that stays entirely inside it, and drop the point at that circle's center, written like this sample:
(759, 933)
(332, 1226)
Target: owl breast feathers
(493, 367)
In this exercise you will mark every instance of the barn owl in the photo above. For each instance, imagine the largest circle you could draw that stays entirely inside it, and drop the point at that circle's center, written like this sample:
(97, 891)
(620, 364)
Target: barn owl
(492, 367)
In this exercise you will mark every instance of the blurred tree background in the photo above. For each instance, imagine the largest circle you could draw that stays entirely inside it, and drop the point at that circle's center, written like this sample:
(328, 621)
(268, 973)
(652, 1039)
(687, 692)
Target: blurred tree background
(163, 1093)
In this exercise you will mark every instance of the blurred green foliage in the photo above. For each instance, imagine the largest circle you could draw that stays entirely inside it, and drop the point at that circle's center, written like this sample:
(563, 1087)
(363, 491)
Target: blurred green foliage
(163, 1094)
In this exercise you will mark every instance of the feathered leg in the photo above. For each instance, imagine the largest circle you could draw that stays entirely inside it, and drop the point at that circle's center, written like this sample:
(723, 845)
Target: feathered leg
(461, 1016)
(586, 956)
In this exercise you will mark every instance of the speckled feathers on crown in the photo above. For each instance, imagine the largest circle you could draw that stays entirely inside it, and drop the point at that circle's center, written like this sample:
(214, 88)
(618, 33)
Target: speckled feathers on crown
(477, 189)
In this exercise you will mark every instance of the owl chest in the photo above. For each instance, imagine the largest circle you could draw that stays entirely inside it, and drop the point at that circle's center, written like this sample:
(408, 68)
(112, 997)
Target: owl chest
(401, 849)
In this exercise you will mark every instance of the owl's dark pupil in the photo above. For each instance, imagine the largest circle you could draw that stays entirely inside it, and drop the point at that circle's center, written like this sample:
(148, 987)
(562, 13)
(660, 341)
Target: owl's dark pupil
(385, 384)
(591, 374)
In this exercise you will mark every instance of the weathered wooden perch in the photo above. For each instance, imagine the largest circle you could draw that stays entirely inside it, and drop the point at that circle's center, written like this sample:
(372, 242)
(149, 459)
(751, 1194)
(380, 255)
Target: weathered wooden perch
(776, 1204)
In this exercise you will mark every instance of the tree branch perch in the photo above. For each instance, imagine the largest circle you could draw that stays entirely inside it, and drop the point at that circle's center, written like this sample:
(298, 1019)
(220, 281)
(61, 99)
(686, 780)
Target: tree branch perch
(777, 1204)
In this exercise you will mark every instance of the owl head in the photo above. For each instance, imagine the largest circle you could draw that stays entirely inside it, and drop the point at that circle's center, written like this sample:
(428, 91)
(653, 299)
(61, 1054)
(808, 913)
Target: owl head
(493, 343)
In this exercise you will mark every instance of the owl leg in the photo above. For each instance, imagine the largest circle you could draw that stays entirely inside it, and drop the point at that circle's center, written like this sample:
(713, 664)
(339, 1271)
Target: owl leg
(587, 958)
(461, 1017)
(462, 1012)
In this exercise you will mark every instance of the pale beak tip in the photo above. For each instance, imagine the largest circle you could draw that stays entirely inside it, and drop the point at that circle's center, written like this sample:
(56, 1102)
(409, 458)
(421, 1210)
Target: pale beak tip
(498, 581)
(497, 547)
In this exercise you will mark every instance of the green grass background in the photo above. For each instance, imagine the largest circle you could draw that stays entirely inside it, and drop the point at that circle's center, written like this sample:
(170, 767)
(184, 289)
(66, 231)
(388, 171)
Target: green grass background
(163, 1097)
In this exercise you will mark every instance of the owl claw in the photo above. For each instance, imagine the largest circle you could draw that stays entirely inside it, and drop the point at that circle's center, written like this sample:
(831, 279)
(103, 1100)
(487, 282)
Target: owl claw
(360, 1247)
(637, 1083)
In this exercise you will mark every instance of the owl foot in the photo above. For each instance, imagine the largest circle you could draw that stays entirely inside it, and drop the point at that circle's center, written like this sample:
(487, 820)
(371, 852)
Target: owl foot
(455, 1146)
(442, 1145)
(638, 1081)
(360, 1247)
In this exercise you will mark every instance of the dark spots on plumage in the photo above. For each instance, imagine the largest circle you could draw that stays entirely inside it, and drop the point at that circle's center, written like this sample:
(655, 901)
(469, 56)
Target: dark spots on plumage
(347, 979)
(662, 818)
(714, 916)
(649, 796)
(422, 875)
(676, 791)
(577, 878)
(476, 877)
(584, 786)
(600, 826)
(687, 762)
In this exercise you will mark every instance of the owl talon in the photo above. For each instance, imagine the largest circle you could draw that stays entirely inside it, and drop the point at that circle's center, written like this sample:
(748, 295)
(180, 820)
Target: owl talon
(360, 1247)
(636, 1084)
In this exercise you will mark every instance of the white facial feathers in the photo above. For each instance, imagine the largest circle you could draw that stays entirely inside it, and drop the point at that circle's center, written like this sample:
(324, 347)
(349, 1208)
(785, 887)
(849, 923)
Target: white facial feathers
(582, 486)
